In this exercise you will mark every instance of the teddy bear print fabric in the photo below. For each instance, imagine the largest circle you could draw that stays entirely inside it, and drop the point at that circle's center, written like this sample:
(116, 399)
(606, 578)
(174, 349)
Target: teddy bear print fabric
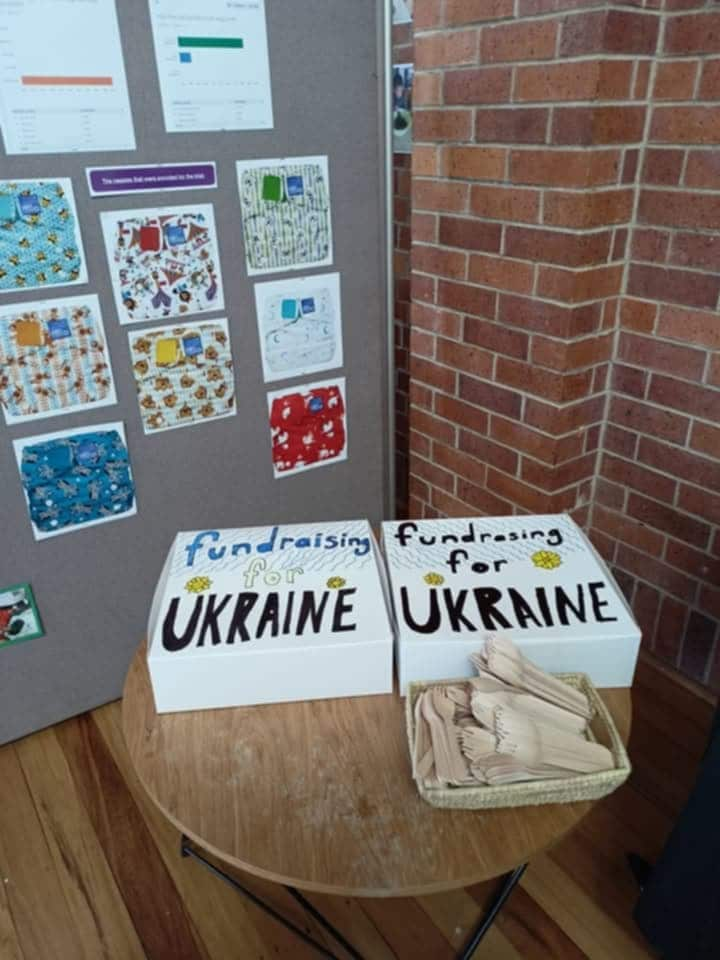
(184, 375)
(40, 242)
(307, 426)
(163, 262)
(53, 359)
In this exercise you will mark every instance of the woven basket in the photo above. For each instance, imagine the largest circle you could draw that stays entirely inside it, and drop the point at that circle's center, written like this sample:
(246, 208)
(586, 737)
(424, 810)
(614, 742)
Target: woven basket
(583, 786)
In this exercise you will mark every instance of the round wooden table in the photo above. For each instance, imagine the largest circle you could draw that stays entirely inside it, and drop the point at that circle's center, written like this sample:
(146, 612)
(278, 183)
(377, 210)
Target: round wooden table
(318, 795)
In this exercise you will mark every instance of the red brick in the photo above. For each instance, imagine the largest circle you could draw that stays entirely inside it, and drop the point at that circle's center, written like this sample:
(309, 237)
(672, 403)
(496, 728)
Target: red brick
(481, 499)
(637, 315)
(527, 8)
(496, 337)
(511, 125)
(562, 356)
(699, 250)
(501, 273)
(460, 12)
(554, 478)
(615, 79)
(436, 195)
(536, 501)
(654, 354)
(680, 463)
(703, 169)
(681, 395)
(478, 85)
(604, 545)
(549, 318)
(670, 630)
(426, 13)
(423, 288)
(544, 383)
(442, 124)
(650, 245)
(425, 161)
(646, 603)
(419, 445)
(420, 395)
(676, 286)
(438, 321)
(427, 89)
(557, 81)
(706, 439)
(553, 246)
(662, 166)
(437, 260)
(564, 168)
(710, 601)
(687, 124)
(528, 40)
(470, 234)
(642, 79)
(500, 203)
(619, 441)
(597, 125)
(460, 356)
(488, 452)
(675, 80)
(462, 414)
(696, 33)
(609, 494)
(633, 475)
(710, 80)
(490, 396)
(658, 573)
(628, 32)
(630, 166)
(619, 246)
(474, 163)
(576, 286)
(445, 49)
(435, 476)
(432, 426)
(550, 450)
(423, 227)
(466, 298)
(586, 210)
(628, 380)
(460, 463)
(422, 344)
(628, 530)
(418, 488)
(694, 562)
(583, 33)
(701, 503)
(713, 375)
(432, 374)
(560, 420)
(669, 520)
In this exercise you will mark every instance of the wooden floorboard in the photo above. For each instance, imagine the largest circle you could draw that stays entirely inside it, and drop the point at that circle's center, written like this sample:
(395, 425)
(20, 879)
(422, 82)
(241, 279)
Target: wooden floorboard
(91, 870)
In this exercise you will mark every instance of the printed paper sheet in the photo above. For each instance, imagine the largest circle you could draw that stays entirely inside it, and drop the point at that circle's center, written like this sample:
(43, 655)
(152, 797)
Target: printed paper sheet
(163, 262)
(308, 426)
(299, 326)
(54, 359)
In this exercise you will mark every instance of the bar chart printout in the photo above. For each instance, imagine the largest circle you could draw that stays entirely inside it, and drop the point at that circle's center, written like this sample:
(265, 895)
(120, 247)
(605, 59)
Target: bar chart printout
(62, 78)
(212, 60)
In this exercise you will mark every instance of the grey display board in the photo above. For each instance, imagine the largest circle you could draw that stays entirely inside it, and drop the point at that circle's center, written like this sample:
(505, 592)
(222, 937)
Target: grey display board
(93, 587)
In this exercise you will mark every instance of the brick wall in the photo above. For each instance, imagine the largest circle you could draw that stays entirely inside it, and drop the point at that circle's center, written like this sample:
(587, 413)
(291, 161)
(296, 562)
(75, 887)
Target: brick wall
(402, 44)
(658, 495)
(562, 289)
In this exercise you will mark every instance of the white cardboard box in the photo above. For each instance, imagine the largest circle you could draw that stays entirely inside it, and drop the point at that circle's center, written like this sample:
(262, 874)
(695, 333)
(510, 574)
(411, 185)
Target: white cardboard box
(535, 579)
(270, 614)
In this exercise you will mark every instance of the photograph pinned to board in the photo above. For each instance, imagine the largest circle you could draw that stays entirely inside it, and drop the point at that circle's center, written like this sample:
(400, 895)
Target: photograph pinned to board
(54, 359)
(401, 11)
(184, 375)
(402, 107)
(286, 216)
(40, 242)
(308, 426)
(163, 261)
(299, 325)
(212, 61)
(19, 617)
(76, 478)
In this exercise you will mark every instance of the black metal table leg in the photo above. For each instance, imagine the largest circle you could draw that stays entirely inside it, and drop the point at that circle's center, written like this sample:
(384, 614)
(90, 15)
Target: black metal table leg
(509, 884)
(187, 850)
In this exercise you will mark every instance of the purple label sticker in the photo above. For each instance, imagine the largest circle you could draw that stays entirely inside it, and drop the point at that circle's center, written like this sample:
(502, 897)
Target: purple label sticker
(109, 181)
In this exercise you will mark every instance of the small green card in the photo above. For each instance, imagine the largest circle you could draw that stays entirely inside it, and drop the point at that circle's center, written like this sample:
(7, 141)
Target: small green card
(19, 617)
(272, 188)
